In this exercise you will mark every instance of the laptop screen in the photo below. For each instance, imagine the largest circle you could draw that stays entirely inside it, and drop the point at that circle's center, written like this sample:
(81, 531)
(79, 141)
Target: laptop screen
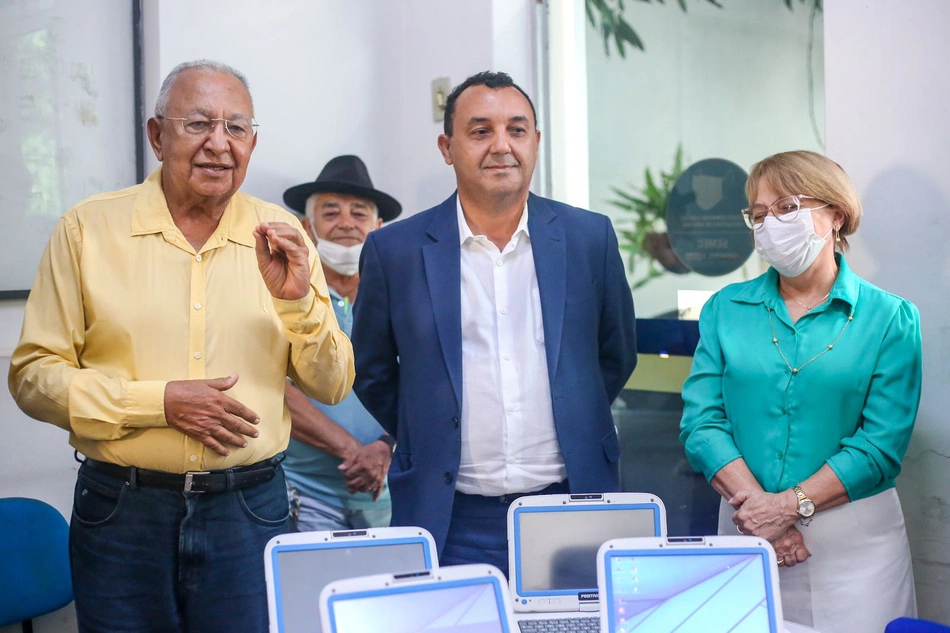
(712, 591)
(556, 547)
(459, 606)
(302, 571)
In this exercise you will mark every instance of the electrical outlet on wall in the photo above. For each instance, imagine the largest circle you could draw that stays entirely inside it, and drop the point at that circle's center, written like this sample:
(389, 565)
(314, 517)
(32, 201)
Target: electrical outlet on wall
(440, 92)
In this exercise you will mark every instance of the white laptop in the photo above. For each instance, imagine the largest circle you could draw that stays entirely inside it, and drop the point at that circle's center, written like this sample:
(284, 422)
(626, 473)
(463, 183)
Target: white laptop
(552, 552)
(456, 599)
(298, 566)
(689, 584)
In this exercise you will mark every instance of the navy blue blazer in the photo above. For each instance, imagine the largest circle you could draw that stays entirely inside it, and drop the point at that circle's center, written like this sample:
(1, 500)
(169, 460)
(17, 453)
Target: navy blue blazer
(407, 339)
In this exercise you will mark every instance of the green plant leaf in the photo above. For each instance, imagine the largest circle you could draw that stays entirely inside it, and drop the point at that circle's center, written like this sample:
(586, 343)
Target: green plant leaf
(619, 42)
(626, 32)
(626, 196)
(646, 209)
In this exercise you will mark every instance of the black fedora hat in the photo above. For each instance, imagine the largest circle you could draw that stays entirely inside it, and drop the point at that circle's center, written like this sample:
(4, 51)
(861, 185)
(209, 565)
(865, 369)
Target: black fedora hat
(347, 175)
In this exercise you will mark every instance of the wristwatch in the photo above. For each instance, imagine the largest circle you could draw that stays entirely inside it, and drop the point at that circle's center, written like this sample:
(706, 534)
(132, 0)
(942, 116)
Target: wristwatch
(806, 507)
(389, 441)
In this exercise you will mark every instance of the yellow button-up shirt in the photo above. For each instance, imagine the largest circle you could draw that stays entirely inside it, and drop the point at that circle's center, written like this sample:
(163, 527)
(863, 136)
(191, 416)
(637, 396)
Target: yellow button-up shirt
(122, 304)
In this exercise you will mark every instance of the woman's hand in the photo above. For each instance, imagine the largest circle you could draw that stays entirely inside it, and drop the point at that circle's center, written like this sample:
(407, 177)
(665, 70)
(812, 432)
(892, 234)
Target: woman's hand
(763, 514)
(790, 548)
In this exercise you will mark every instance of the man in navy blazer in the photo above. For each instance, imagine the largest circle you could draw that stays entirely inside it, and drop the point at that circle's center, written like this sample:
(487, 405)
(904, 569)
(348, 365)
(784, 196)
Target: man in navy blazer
(491, 335)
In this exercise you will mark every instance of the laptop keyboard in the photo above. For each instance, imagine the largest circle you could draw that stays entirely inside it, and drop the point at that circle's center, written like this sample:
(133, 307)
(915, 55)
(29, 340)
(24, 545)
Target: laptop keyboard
(561, 625)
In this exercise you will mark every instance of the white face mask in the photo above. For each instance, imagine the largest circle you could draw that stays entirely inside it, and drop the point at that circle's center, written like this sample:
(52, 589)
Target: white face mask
(343, 259)
(789, 247)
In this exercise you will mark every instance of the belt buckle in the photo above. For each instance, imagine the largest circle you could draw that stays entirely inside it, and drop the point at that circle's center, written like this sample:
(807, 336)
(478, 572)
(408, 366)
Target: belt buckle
(189, 480)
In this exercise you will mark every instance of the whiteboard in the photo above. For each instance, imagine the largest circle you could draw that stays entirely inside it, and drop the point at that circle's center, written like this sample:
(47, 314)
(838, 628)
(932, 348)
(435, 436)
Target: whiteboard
(67, 119)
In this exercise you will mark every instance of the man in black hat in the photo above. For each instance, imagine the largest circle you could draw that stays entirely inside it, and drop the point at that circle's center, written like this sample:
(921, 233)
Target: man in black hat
(339, 455)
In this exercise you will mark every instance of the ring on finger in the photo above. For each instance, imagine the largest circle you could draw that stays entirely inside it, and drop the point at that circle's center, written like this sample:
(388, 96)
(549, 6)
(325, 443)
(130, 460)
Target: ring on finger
(739, 529)
(780, 562)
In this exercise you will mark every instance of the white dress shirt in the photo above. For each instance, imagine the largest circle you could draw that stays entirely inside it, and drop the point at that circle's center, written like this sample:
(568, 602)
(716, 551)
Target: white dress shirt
(509, 443)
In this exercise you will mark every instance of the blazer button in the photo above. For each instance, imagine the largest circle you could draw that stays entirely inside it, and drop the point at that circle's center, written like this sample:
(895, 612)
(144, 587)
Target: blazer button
(447, 477)
(455, 423)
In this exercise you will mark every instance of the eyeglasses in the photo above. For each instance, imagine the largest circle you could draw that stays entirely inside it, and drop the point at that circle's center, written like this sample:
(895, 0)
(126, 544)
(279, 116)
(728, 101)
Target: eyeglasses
(240, 128)
(784, 209)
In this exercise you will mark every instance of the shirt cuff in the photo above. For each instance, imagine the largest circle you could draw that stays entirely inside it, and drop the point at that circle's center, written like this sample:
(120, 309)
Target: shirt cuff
(146, 403)
(108, 409)
(294, 313)
(712, 454)
(853, 473)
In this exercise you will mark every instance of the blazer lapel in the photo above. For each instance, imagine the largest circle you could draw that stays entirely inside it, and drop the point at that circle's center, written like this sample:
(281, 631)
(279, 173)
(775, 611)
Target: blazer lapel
(443, 274)
(550, 264)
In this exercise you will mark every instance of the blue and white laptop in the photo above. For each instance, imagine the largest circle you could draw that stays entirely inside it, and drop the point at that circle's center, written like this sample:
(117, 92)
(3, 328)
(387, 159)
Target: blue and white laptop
(689, 584)
(552, 552)
(456, 599)
(298, 566)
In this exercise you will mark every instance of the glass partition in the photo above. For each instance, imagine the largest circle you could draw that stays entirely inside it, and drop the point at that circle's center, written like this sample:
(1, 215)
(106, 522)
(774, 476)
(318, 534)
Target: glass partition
(682, 98)
(731, 80)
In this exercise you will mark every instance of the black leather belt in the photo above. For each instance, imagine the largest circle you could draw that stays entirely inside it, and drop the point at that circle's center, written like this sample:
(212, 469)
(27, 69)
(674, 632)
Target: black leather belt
(195, 481)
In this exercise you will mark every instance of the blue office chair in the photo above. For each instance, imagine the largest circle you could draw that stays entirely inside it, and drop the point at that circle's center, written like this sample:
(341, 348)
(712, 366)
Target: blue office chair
(34, 561)
(913, 625)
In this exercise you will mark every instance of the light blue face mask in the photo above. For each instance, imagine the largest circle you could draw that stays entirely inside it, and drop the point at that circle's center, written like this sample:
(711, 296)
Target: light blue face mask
(790, 247)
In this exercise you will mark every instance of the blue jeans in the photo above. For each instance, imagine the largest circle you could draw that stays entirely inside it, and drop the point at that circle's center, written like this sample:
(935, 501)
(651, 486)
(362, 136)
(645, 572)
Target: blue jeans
(313, 515)
(478, 532)
(151, 560)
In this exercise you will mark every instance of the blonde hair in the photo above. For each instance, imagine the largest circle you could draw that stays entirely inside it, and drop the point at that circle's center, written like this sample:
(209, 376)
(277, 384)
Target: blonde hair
(810, 174)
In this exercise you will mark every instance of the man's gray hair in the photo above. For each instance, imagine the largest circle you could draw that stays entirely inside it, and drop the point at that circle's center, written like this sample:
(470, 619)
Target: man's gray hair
(202, 65)
(311, 204)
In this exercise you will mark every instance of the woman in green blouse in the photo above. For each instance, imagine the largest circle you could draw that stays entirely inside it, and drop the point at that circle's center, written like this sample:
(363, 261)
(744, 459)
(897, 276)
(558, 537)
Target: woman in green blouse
(801, 403)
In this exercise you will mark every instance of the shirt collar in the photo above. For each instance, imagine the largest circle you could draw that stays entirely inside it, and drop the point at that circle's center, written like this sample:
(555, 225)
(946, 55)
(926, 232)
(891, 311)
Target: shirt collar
(764, 289)
(465, 232)
(151, 215)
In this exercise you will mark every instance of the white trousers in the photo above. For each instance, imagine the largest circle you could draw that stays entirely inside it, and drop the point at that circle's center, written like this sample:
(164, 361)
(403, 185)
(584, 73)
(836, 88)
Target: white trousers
(859, 575)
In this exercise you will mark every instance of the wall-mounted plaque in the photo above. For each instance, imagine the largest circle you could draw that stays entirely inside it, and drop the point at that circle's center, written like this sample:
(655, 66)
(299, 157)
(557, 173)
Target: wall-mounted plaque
(704, 220)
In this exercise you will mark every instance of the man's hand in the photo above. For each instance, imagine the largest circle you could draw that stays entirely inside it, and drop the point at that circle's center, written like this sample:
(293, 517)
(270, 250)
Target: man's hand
(365, 470)
(282, 257)
(762, 514)
(200, 409)
(790, 548)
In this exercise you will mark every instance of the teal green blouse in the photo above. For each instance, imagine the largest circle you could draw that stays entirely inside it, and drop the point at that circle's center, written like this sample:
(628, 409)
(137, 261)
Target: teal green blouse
(853, 407)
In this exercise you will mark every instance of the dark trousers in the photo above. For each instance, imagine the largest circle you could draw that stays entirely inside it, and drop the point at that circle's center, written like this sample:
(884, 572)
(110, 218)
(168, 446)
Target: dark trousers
(478, 532)
(164, 561)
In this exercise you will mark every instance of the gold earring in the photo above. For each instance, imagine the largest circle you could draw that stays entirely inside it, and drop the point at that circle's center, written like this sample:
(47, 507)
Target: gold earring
(837, 236)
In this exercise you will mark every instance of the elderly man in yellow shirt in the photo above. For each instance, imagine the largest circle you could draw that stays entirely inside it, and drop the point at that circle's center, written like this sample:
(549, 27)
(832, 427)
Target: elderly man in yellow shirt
(159, 332)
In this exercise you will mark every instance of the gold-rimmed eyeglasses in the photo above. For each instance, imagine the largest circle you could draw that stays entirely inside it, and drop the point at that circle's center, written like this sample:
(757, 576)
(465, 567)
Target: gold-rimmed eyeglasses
(239, 127)
(784, 210)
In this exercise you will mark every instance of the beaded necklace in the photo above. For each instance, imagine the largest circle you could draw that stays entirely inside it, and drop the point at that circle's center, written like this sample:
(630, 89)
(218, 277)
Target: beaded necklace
(795, 370)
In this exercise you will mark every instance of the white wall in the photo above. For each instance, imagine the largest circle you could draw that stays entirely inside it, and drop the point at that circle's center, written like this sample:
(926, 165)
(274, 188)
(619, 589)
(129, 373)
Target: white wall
(888, 124)
(313, 69)
(339, 77)
(417, 42)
